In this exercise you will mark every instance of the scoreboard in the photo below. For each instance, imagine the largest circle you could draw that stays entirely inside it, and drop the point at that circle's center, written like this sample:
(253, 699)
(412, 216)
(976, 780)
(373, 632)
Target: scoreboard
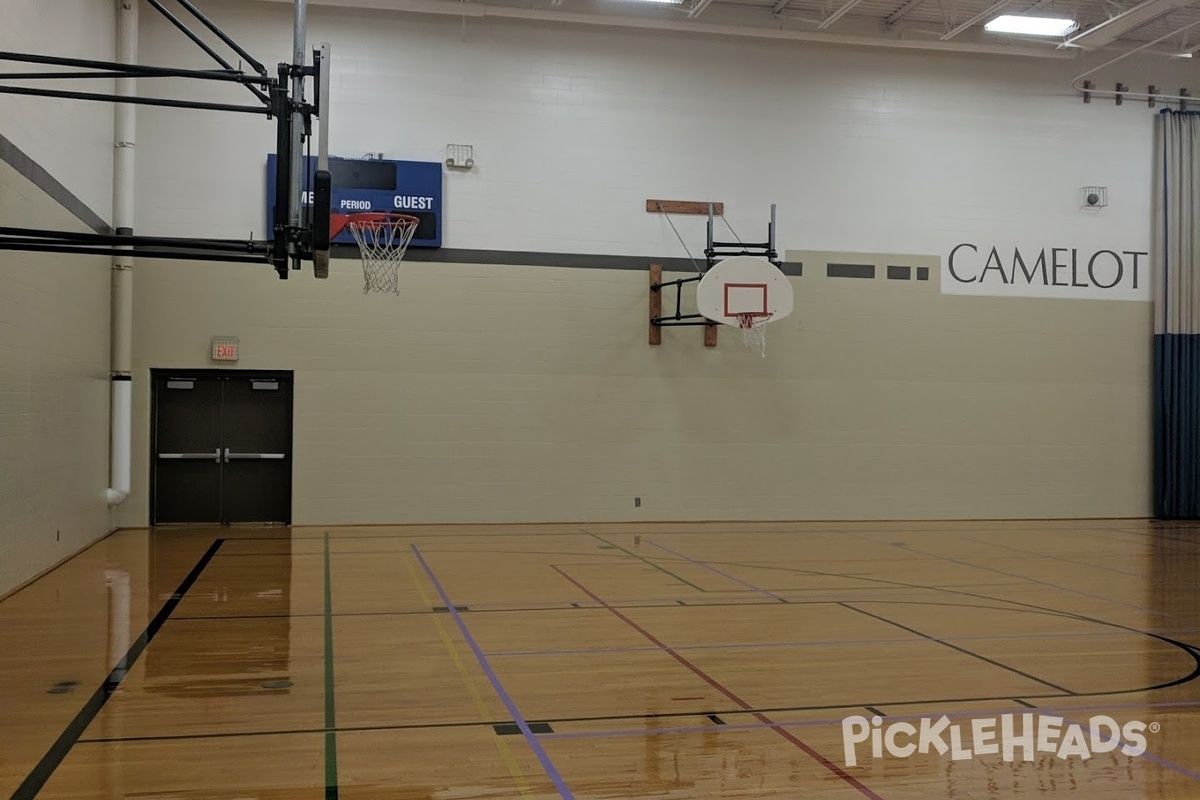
(379, 185)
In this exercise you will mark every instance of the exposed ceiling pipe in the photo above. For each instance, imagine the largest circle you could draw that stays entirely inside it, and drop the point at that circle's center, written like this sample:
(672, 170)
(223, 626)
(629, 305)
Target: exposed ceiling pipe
(846, 8)
(120, 372)
(1111, 29)
(698, 9)
(474, 9)
(1133, 95)
(908, 7)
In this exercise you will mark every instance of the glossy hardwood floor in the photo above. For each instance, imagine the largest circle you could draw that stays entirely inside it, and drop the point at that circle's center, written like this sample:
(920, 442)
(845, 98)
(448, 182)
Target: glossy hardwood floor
(608, 661)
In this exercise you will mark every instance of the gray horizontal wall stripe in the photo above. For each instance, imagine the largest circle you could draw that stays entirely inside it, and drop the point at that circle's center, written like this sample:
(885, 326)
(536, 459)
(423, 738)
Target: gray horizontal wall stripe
(450, 255)
(39, 177)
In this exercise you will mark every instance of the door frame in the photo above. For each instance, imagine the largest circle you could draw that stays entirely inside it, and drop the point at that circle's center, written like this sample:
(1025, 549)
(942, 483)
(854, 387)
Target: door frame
(193, 374)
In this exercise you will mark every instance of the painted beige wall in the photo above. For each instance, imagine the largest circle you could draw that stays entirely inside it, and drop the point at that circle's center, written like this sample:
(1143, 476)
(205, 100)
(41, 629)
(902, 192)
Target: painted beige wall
(54, 338)
(490, 393)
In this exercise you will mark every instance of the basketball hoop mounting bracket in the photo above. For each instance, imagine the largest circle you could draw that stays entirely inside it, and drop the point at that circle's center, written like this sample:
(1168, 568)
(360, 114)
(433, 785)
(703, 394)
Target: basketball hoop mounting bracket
(743, 287)
(658, 321)
(715, 251)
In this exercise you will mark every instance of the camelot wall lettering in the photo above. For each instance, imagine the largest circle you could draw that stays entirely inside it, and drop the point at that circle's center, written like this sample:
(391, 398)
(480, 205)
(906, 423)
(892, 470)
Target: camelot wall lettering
(1066, 272)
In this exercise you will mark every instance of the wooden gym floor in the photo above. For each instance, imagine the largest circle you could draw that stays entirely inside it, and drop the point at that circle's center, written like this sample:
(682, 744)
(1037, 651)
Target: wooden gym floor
(604, 661)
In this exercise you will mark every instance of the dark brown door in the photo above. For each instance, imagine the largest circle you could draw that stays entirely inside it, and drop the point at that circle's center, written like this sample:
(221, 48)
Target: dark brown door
(187, 450)
(222, 445)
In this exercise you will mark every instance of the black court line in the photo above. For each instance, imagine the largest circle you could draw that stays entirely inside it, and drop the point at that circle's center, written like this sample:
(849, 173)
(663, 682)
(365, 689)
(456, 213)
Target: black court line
(1192, 650)
(513, 729)
(644, 560)
(36, 780)
(572, 607)
(336, 537)
(875, 711)
(1035, 581)
(611, 717)
(962, 650)
(1012, 549)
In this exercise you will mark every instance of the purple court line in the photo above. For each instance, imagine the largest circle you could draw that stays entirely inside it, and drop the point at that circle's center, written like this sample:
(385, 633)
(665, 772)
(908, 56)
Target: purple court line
(711, 568)
(825, 643)
(547, 765)
(909, 549)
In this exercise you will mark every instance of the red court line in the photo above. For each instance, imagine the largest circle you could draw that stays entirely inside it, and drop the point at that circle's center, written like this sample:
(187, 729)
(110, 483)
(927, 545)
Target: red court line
(809, 751)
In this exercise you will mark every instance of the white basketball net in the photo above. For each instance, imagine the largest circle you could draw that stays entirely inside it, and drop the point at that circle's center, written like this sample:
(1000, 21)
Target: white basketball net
(382, 241)
(754, 331)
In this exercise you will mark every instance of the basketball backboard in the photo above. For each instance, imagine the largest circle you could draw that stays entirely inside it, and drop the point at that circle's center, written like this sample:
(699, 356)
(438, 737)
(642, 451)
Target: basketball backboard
(744, 290)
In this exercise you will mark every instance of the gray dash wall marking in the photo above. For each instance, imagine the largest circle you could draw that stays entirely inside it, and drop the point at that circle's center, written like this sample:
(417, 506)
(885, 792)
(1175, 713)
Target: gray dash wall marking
(850, 270)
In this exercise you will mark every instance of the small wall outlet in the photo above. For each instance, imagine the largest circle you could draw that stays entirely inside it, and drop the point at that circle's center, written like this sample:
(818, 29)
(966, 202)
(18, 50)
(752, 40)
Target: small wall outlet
(58, 536)
(637, 502)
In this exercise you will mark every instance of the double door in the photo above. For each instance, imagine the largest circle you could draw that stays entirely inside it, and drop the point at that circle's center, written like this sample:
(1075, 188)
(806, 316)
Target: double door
(221, 447)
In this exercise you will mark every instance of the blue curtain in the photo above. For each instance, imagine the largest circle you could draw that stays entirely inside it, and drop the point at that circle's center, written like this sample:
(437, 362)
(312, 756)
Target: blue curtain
(1175, 260)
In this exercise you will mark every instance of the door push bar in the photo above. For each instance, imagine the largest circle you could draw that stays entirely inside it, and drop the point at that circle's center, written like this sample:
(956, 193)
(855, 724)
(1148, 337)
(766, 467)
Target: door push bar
(215, 455)
(229, 456)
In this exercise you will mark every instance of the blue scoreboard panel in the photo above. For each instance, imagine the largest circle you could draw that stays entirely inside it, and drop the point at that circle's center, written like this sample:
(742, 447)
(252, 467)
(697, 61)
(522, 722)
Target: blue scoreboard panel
(400, 187)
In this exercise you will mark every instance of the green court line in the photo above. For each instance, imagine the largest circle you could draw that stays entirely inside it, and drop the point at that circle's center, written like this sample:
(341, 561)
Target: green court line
(331, 778)
(645, 560)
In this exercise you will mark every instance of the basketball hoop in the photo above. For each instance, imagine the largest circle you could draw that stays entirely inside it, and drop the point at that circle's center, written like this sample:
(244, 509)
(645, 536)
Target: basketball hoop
(746, 293)
(382, 241)
(754, 331)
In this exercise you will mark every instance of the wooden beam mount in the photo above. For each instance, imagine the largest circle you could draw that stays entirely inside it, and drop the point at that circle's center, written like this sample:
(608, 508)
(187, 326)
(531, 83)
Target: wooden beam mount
(682, 207)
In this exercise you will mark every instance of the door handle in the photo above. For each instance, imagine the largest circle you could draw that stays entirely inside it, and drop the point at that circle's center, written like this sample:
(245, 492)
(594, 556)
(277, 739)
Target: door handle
(215, 455)
(231, 456)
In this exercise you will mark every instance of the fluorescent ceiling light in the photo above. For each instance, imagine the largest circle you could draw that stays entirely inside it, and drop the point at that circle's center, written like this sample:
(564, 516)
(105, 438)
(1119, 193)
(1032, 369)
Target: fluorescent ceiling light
(1031, 26)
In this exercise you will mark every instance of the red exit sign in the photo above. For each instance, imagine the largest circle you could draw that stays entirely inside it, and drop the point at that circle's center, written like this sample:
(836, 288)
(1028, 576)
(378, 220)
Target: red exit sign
(224, 349)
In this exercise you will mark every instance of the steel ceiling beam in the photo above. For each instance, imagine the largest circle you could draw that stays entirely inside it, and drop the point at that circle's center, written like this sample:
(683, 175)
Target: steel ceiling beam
(841, 12)
(910, 6)
(1111, 29)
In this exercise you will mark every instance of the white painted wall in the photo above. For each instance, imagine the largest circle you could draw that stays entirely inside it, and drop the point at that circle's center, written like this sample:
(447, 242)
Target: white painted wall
(573, 129)
(1002, 406)
(71, 139)
(53, 392)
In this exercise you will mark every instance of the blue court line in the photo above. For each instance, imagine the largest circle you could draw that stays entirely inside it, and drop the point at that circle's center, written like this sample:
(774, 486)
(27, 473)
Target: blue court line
(909, 549)
(547, 765)
(711, 568)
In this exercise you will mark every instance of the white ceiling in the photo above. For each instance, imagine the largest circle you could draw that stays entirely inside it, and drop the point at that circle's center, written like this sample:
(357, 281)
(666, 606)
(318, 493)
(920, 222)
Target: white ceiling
(1165, 28)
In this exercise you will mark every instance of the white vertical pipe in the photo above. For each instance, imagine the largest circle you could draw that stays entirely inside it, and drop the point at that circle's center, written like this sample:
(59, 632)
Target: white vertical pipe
(299, 60)
(122, 267)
